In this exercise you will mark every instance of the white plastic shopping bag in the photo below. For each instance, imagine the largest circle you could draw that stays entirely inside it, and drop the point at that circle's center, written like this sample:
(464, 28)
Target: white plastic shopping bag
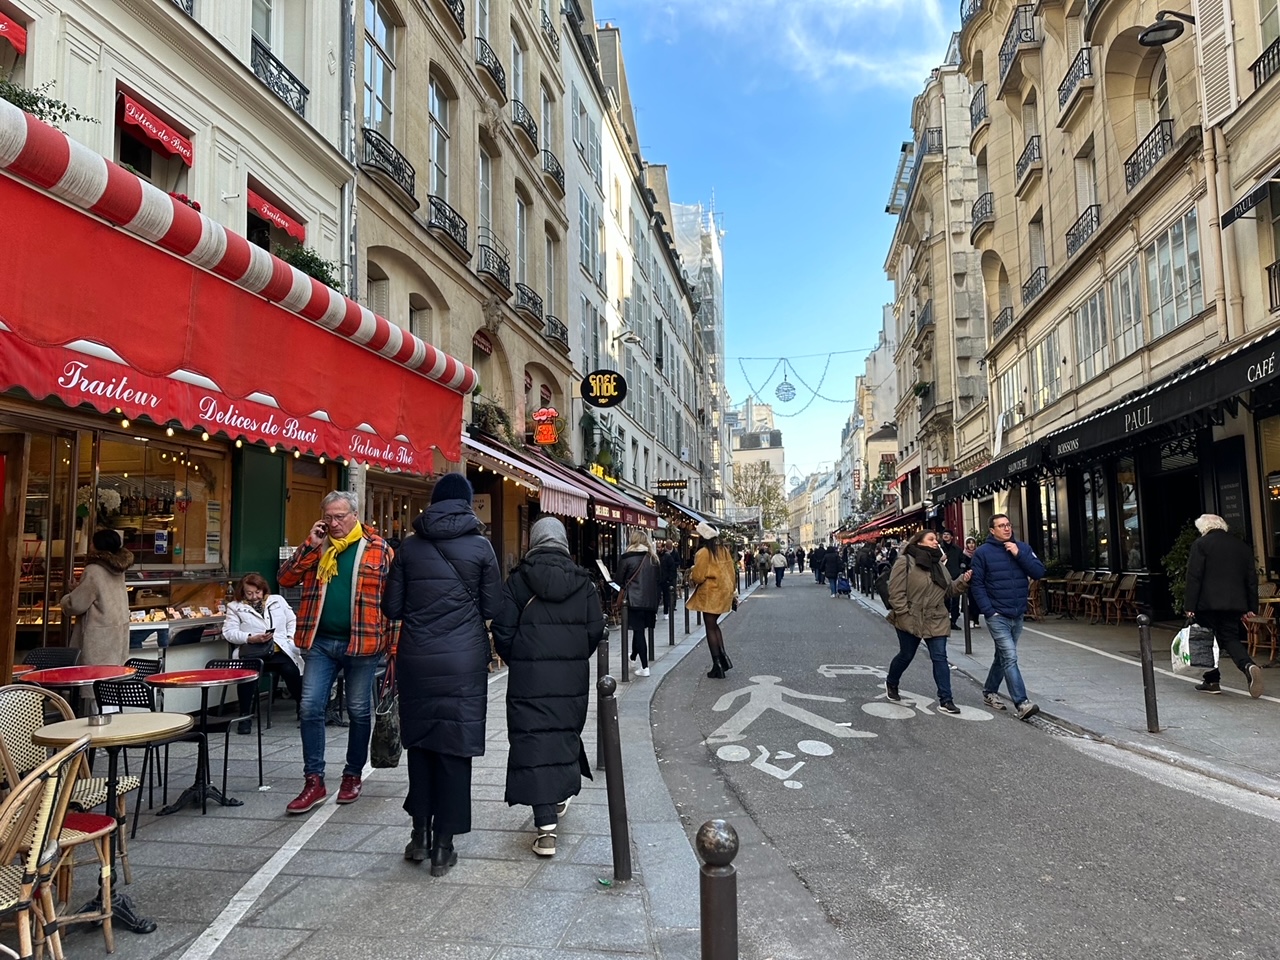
(1188, 653)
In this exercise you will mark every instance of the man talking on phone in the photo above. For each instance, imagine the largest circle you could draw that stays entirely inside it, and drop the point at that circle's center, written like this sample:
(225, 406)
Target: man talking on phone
(341, 568)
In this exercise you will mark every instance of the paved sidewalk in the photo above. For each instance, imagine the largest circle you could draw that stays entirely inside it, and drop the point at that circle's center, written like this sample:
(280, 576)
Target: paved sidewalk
(1090, 678)
(252, 882)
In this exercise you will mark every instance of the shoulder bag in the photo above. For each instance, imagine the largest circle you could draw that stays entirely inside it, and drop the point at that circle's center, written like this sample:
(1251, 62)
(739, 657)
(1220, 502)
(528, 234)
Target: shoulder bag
(620, 600)
(260, 651)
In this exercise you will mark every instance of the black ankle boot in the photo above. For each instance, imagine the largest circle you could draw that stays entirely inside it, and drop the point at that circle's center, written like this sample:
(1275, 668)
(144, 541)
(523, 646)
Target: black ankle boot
(443, 856)
(725, 662)
(717, 671)
(416, 850)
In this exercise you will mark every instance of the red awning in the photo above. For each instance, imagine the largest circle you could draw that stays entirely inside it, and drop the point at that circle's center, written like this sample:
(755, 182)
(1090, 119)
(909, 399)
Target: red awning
(72, 282)
(614, 506)
(274, 214)
(156, 129)
(13, 32)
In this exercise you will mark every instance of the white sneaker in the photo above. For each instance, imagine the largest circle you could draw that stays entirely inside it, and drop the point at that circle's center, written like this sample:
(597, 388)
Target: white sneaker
(545, 845)
(642, 671)
(563, 806)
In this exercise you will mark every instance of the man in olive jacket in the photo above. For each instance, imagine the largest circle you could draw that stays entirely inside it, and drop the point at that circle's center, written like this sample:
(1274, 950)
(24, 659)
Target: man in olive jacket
(1222, 589)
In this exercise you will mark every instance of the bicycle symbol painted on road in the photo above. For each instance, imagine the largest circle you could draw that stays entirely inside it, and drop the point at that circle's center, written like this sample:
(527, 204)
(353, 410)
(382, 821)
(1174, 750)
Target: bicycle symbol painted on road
(736, 753)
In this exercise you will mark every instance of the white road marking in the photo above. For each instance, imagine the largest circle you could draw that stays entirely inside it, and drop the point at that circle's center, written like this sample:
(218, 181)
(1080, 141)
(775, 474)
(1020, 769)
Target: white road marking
(766, 693)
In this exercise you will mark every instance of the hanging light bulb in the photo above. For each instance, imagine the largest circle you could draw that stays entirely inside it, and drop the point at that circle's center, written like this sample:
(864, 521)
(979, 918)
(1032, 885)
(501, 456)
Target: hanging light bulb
(204, 435)
(239, 444)
(297, 454)
(168, 431)
(125, 423)
(322, 460)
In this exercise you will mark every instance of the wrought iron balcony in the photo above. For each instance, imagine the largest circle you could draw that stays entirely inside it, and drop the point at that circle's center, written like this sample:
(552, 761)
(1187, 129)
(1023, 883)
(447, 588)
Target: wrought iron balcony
(442, 217)
(924, 319)
(1273, 283)
(1150, 151)
(1083, 228)
(984, 211)
(1092, 5)
(528, 301)
(278, 78)
(186, 6)
(1022, 29)
(492, 259)
(380, 155)
(978, 107)
(485, 57)
(551, 167)
(1035, 285)
(523, 120)
(1003, 321)
(968, 10)
(1030, 157)
(557, 333)
(931, 142)
(459, 11)
(1081, 67)
(1265, 67)
(550, 32)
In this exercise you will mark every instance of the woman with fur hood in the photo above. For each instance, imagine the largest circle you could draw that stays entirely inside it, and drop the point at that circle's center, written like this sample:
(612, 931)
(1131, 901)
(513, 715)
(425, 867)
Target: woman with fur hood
(101, 601)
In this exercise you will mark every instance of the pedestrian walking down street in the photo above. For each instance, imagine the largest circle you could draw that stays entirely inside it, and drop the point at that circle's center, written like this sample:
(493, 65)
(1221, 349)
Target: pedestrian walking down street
(714, 594)
(954, 560)
(748, 565)
(342, 569)
(638, 573)
(668, 574)
(919, 589)
(1002, 569)
(816, 556)
(444, 584)
(791, 560)
(763, 562)
(779, 568)
(259, 617)
(799, 559)
(1222, 590)
(831, 567)
(971, 545)
(546, 630)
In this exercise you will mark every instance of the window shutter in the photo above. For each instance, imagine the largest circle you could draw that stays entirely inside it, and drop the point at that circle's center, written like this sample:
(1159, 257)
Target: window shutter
(1074, 37)
(577, 123)
(1143, 117)
(420, 323)
(1037, 244)
(1085, 186)
(380, 297)
(1217, 63)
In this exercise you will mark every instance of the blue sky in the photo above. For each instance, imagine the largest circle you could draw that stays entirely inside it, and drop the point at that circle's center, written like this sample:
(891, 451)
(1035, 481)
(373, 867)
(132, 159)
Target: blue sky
(791, 112)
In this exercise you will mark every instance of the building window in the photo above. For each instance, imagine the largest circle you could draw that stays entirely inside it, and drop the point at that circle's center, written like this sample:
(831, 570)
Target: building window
(584, 334)
(379, 67)
(1174, 290)
(1270, 20)
(548, 121)
(586, 223)
(517, 70)
(1095, 519)
(1046, 372)
(482, 19)
(143, 136)
(549, 294)
(522, 241)
(1009, 387)
(1126, 310)
(1090, 319)
(484, 185)
(263, 20)
(438, 109)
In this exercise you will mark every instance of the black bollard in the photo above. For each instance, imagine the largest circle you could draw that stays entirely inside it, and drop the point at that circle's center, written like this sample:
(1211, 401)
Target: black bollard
(652, 652)
(602, 671)
(671, 627)
(717, 844)
(686, 608)
(968, 624)
(619, 833)
(1148, 672)
(624, 645)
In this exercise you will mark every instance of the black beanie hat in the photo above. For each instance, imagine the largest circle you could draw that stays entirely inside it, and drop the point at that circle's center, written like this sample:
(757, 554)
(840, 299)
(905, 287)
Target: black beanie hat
(452, 486)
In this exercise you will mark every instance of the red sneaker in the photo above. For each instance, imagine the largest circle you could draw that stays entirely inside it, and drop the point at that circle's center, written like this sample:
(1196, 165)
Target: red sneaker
(349, 792)
(313, 794)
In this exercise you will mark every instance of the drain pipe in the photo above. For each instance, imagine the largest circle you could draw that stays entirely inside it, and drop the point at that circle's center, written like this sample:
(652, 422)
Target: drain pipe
(347, 214)
(1234, 291)
(1225, 332)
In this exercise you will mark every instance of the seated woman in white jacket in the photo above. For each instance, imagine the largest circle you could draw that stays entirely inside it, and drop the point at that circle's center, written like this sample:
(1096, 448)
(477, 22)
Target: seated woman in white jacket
(258, 616)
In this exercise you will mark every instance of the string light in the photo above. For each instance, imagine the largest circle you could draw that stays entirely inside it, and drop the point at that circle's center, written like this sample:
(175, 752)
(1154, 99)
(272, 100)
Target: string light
(322, 460)
(239, 444)
(204, 435)
(273, 448)
(125, 423)
(168, 431)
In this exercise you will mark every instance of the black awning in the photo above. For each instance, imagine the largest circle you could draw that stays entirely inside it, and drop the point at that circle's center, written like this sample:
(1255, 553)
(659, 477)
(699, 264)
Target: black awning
(996, 475)
(1180, 398)
(1250, 199)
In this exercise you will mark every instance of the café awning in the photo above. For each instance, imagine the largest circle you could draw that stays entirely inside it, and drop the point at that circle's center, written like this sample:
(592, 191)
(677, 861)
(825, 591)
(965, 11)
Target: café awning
(272, 214)
(554, 495)
(614, 506)
(1000, 474)
(1255, 196)
(156, 130)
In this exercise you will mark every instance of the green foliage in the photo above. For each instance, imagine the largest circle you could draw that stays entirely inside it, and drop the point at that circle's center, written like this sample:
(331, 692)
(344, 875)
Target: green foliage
(40, 105)
(310, 263)
(1175, 566)
(492, 419)
(1057, 567)
(756, 485)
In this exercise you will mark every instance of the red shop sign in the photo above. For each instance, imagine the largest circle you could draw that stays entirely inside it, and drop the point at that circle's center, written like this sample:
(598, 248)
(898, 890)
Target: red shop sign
(156, 129)
(15, 34)
(274, 215)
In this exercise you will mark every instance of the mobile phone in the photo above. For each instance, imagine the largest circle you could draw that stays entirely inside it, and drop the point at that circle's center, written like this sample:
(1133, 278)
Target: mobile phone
(271, 632)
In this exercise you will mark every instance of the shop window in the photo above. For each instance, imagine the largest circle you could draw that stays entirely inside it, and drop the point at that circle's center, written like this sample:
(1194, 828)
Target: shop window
(1131, 556)
(1096, 531)
(1269, 441)
(1049, 544)
(1175, 293)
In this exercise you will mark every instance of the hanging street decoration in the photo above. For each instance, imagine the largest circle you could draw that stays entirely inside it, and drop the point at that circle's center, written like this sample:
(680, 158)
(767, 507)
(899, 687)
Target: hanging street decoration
(786, 391)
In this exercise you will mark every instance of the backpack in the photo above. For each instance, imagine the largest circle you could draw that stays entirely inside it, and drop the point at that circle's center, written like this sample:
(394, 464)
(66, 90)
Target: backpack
(882, 587)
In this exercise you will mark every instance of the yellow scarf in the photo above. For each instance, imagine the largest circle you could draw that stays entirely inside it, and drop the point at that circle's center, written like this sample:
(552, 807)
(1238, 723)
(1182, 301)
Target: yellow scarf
(328, 568)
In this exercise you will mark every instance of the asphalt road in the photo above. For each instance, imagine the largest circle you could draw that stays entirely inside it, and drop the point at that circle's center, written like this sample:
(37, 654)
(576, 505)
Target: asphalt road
(878, 830)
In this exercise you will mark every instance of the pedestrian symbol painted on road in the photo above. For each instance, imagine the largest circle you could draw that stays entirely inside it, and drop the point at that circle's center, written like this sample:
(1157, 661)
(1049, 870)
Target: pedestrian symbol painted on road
(765, 694)
(736, 753)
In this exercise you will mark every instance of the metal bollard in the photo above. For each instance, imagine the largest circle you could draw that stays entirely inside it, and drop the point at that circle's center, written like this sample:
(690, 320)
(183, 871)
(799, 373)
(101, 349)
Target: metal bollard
(717, 844)
(686, 608)
(602, 671)
(619, 833)
(624, 645)
(968, 624)
(1148, 672)
(652, 652)
(671, 626)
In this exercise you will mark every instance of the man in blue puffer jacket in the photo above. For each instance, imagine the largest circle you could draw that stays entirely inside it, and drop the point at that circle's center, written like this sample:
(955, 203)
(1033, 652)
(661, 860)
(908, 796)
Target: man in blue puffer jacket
(1002, 569)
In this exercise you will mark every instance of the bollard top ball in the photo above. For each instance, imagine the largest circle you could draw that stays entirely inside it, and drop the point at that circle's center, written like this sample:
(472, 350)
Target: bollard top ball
(717, 843)
(1144, 620)
(607, 686)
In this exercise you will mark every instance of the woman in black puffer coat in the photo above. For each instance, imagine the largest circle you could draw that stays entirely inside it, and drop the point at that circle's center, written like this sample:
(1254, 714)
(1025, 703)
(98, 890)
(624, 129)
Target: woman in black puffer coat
(549, 625)
(443, 586)
(638, 574)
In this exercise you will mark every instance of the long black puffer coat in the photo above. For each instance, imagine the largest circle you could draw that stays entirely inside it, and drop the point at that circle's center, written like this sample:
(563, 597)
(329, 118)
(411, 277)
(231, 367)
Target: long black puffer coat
(546, 630)
(642, 586)
(442, 659)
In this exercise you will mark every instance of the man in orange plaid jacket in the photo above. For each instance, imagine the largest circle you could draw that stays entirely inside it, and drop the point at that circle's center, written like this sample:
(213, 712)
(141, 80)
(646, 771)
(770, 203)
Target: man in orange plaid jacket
(341, 568)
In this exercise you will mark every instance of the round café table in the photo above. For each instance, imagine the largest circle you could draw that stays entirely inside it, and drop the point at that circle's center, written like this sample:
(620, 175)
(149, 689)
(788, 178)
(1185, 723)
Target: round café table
(123, 730)
(75, 678)
(203, 789)
(21, 669)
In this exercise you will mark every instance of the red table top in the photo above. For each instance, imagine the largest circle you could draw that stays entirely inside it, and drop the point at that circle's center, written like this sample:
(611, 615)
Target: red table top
(80, 676)
(201, 678)
(19, 669)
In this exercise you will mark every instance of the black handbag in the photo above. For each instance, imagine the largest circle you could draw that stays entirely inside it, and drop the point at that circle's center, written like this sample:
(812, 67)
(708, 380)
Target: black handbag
(259, 651)
(1200, 645)
(385, 747)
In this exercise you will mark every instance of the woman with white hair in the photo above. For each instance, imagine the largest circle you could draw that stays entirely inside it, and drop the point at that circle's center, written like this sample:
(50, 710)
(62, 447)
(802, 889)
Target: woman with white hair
(1222, 590)
(638, 574)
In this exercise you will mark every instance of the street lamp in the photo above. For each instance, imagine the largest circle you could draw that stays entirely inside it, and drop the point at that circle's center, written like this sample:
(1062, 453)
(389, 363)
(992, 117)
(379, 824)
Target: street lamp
(627, 336)
(1165, 31)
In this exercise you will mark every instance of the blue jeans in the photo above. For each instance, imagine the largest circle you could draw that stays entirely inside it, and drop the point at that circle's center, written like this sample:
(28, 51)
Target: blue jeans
(832, 584)
(324, 658)
(777, 576)
(1005, 632)
(907, 646)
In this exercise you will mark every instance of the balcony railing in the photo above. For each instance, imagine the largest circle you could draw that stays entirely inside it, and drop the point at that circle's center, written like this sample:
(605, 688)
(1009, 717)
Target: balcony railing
(1150, 151)
(984, 211)
(968, 10)
(550, 32)
(1022, 29)
(278, 78)
(1273, 282)
(557, 332)
(186, 6)
(486, 58)
(978, 107)
(523, 119)
(931, 142)
(443, 217)
(459, 11)
(1081, 67)
(1030, 155)
(1003, 321)
(385, 158)
(924, 319)
(1090, 6)
(492, 258)
(1265, 67)
(528, 300)
(551, 167)
(1035, 285)
(1083, 228)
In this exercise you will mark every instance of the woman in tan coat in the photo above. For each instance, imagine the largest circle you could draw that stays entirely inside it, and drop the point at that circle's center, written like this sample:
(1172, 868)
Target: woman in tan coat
(715, 576)
(919, 588)
(101, 601)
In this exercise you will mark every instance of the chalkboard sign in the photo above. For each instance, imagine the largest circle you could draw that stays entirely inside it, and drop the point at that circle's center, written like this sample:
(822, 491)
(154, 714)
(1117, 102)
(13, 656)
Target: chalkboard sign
(1232, 486)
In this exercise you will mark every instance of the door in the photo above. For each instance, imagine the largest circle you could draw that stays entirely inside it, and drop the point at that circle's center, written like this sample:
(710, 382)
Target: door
(14, 448)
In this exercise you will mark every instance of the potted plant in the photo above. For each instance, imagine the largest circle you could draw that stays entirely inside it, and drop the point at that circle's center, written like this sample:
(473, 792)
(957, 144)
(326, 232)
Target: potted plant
(1175, 566)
